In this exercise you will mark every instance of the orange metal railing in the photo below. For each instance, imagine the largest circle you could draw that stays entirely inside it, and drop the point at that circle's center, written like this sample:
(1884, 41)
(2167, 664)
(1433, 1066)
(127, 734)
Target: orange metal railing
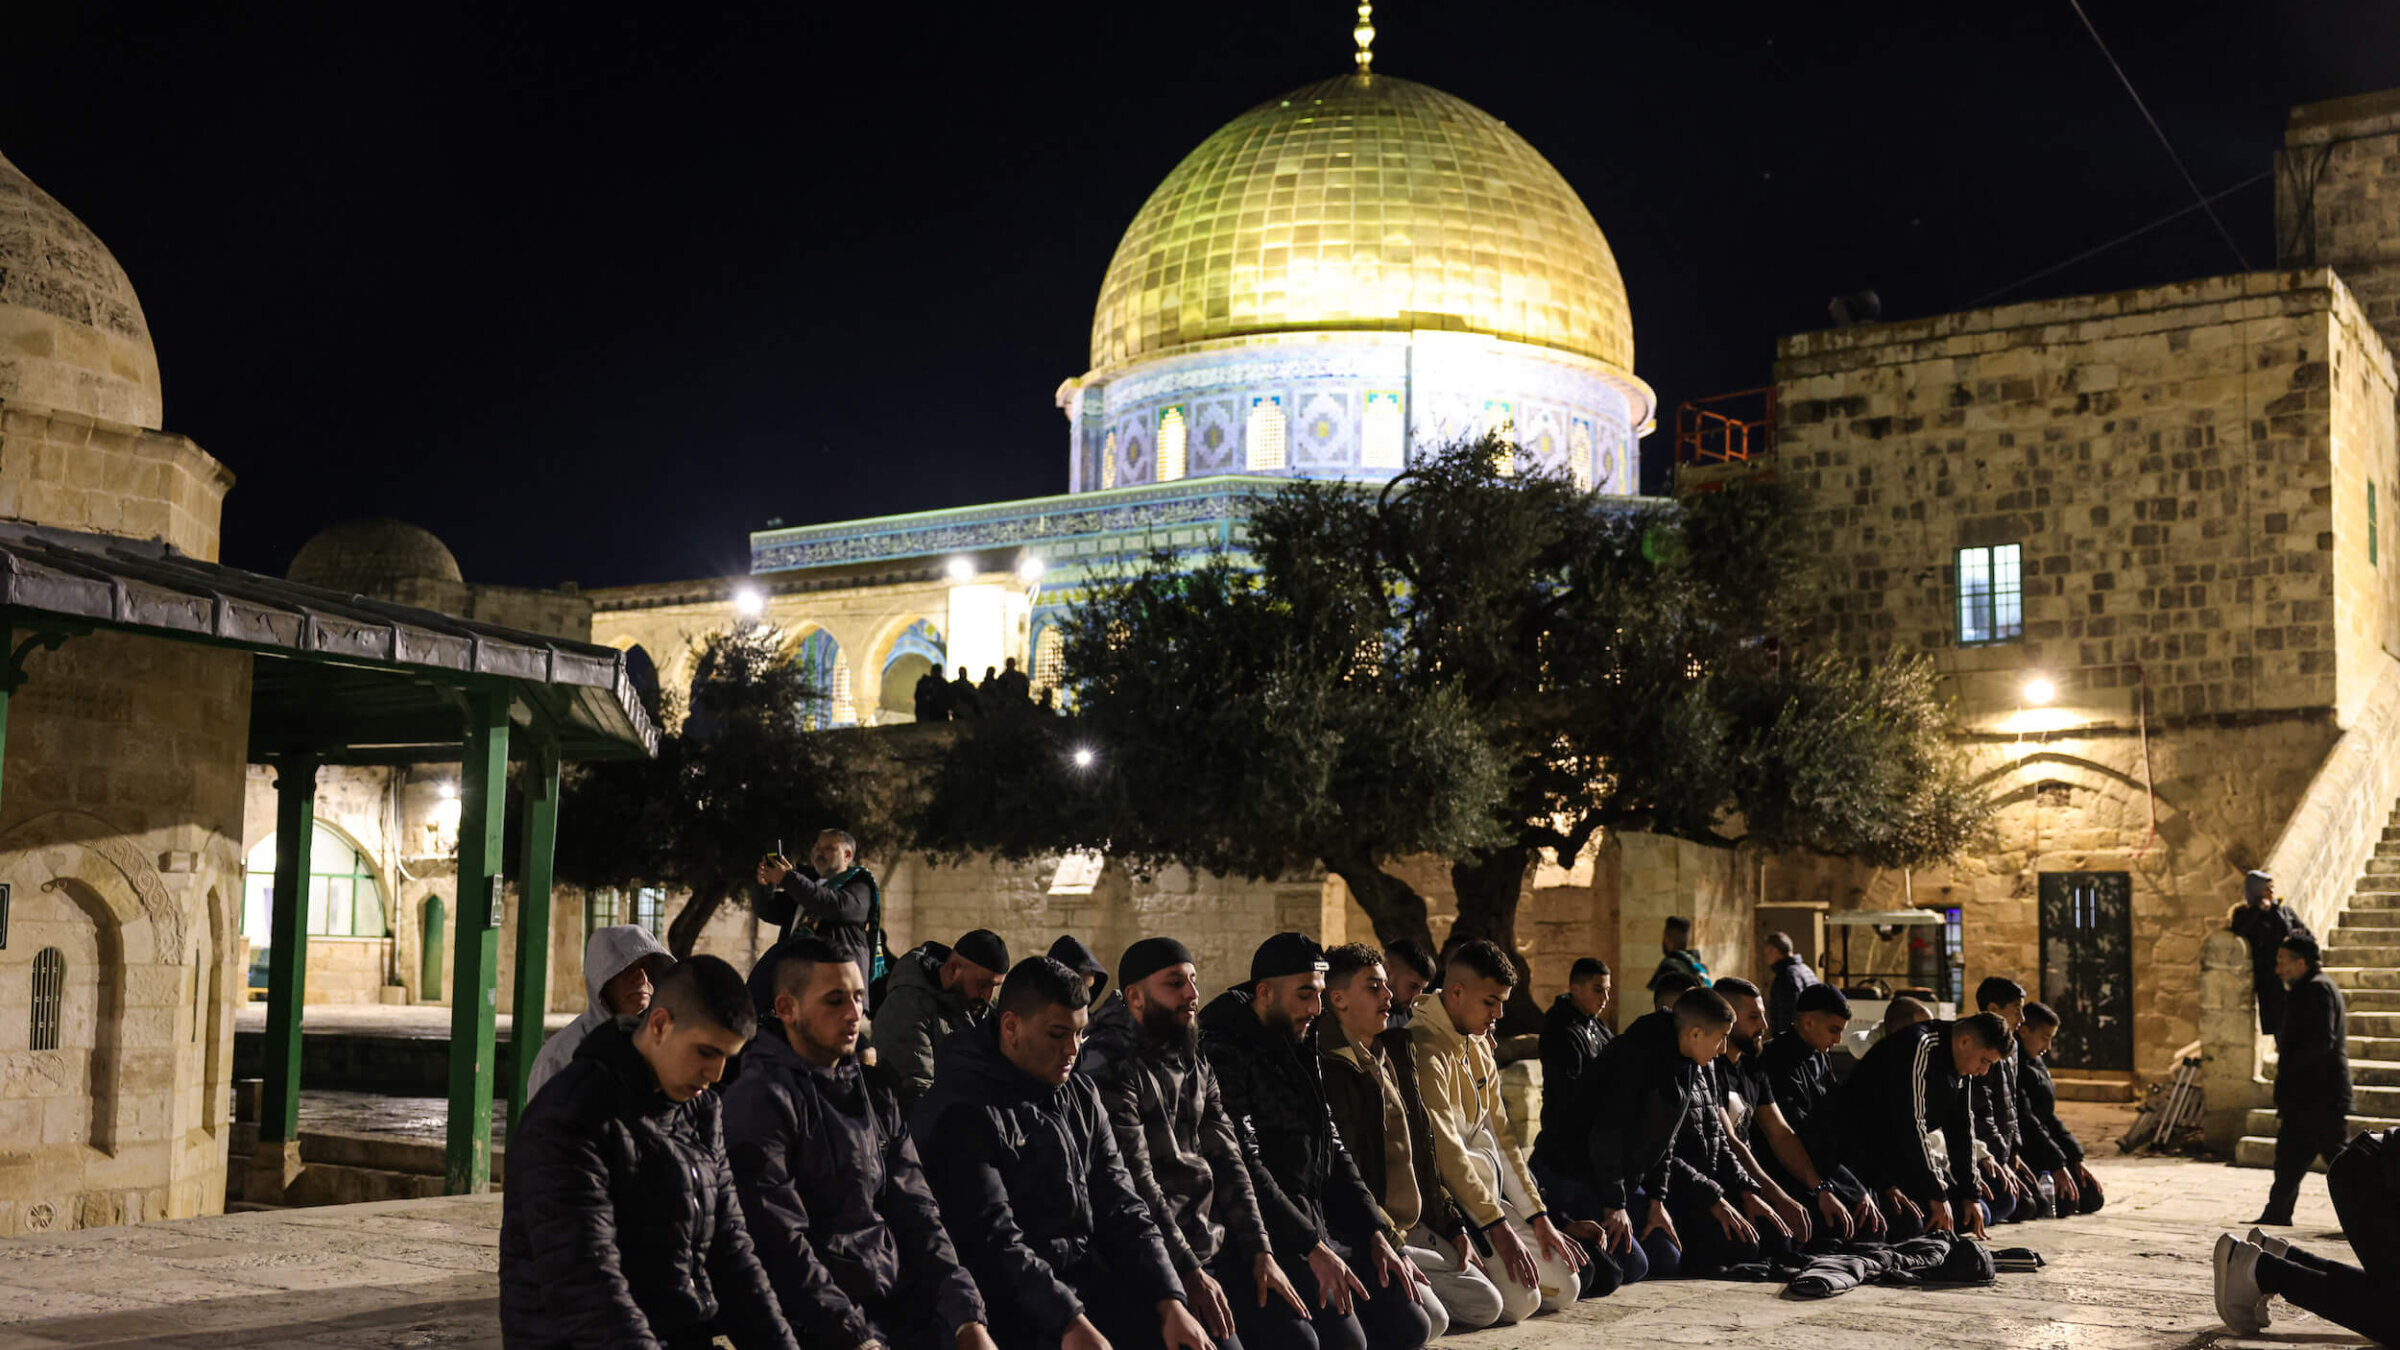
(1730, 428)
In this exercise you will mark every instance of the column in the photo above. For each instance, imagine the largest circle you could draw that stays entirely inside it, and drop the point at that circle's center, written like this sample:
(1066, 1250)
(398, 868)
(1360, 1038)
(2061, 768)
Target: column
(287, 929)
(527, 1030)
(475, 953)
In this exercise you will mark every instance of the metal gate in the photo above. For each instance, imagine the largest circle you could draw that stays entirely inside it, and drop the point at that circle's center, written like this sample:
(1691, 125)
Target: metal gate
(2087, 967)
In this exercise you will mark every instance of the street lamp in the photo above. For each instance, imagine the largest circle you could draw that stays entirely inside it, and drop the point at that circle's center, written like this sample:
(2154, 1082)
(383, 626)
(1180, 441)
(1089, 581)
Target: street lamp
(749, 601)
(961, 569)
(1030, 570)
(1084, 757)
(2040, 690)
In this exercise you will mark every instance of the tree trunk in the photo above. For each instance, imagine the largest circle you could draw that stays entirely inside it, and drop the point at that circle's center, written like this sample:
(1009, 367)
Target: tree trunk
(1392, 905)
(1489, 890)
(684, 929)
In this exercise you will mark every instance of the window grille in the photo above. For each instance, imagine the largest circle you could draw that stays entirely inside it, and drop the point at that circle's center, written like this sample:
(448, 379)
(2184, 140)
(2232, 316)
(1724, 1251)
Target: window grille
(1383, 433)
(1170, 444)
(1265, 438)
(1049, 659)
(49, 997)
(1991, 594)
(1579, 454)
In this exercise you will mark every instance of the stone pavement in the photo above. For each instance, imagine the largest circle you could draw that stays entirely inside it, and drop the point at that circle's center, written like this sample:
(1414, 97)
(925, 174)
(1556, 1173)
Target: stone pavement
(419, 1275)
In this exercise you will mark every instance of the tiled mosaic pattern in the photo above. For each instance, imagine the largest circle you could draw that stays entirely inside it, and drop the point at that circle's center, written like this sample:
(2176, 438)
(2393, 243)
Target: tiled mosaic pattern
(1363, 203)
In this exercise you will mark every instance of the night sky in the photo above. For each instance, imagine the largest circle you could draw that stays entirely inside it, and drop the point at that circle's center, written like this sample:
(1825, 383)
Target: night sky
(591, 290)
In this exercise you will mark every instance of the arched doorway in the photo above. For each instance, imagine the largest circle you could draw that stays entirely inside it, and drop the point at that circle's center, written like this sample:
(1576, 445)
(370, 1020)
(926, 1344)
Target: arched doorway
(915, 652)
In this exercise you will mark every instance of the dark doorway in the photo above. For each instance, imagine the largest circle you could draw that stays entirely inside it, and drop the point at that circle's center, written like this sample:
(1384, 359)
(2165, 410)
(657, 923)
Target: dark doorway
(2087, 967)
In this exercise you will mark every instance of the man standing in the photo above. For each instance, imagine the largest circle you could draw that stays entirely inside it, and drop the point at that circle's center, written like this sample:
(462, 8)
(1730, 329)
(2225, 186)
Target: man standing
(1326, 1227)
(1905, 1121)
(2264, 922)
(1033, 1193)
(1371, 1086)
(833, 897)
(621, 965)
(934, 991)
(620, 1226)
(2312, 1074)
(830, 1183)
(2050, 1147)
(1481, 1165)
(1182, 1153)
(1677, 955)
(1791, 976)
(1573, 1035)
(932, 696)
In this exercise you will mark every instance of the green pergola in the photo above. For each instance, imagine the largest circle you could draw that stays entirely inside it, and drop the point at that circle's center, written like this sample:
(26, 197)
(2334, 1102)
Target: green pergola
(343, 679)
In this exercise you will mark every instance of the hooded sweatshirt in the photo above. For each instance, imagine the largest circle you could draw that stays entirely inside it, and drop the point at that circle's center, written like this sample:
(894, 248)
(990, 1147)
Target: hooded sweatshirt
(607, 953)
(1473, 1144)
(915, 1015)
(1070, 952)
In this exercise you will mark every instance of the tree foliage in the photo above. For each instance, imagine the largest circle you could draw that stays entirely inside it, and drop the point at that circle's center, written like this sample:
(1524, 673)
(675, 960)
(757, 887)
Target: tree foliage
(739, 774)
(1472, 664)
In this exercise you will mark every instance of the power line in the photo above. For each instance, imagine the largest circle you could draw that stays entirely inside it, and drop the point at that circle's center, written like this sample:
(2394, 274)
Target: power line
(2172, 216)
(2135, 94)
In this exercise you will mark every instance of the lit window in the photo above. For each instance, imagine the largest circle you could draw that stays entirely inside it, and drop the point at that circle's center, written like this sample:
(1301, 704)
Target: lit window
(599, 909)
(1579, 453)
(1108, 462)
(820, 660)
(1170, 444)
(49, 998)
(1991, 594)
(1383, 433)
(1500, 419)
(1266, 434)
(344, 898)
(1049, 659)
(650, 910)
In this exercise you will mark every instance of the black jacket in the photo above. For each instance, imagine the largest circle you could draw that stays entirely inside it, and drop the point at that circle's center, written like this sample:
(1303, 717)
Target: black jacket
(1904, 1089)
(835, 1198)
(1638, 1095)
(2312, 1070)
(846, 911)
(1070, 952)
(1571, 1045)
(1802, 1079)
(1998, 1121)
(1179, 1144)
(1783, 993)
(1704, 1146)
(2049, 1144)
(2264, 929)
(619, 1225)
(1031, 1186)
(1309, 1189)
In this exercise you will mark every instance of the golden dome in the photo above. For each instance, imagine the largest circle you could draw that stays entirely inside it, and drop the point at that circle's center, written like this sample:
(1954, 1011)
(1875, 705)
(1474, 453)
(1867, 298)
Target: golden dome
(1364, 202)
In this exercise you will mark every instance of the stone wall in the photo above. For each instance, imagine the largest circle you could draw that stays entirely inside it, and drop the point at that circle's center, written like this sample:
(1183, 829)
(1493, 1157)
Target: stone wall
(2335, 203)
(75, 472)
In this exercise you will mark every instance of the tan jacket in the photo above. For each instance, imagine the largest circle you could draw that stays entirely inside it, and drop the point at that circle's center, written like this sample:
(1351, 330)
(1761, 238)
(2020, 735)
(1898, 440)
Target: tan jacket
(1473, 1144)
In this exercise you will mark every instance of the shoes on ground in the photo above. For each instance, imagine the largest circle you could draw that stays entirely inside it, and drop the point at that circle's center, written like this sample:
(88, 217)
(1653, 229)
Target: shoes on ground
(2272, 1246)
(2240, 1302)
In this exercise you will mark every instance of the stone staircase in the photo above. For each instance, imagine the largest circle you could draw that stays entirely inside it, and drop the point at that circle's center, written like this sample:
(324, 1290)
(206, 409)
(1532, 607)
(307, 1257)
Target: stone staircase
(2362, 954)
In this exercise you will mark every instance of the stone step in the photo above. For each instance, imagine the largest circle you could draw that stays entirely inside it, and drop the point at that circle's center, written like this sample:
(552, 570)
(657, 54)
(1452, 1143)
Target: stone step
(2349, 975)
(2373, 1048)
(2259, 1151)
(2263, 1120)
(2376, 895)
(2366, 1075)
(2368, 929)
(2374, 1024)
(2386, 958)
(2371, 1000)
(2094, 1086)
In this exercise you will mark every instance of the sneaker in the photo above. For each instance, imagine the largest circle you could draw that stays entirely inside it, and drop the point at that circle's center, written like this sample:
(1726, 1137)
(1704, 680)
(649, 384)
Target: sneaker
(2272, 1246)
(2239, 1300)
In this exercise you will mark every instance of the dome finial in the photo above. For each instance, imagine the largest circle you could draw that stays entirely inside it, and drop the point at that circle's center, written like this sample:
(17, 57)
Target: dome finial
(1364, 36)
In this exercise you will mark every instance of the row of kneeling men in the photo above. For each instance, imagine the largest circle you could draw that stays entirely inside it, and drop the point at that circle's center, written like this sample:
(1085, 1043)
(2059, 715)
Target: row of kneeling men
(1319, 1157)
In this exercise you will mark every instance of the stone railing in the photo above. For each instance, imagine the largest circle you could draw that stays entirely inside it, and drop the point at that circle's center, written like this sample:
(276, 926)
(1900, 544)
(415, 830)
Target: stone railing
(2316, 862)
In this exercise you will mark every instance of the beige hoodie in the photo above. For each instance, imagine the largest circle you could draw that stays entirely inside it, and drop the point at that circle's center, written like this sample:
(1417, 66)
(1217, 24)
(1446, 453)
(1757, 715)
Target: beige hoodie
(1472, 1140)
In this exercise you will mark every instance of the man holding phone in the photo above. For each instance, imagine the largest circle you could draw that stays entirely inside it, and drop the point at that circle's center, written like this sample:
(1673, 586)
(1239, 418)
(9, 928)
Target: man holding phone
(833, 897)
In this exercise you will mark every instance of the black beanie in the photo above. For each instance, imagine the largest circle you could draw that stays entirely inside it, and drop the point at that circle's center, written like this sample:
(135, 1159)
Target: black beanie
(986, 949)
(1150, 956)
(1287, 954)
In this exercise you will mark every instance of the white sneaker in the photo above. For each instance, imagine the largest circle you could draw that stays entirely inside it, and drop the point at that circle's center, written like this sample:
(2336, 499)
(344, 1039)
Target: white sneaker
(2272, 1246)
(2239, 1301)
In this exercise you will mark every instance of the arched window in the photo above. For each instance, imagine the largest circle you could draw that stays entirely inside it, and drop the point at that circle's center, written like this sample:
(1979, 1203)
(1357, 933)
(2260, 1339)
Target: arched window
(820, 658)
(1383, 434)
(915, 653)
(1500, 418)
(1264, 440)
(1049, 658)
(49, 998)
(1108, 462)
(1170, 444)
(1579, 454)
(344, 898)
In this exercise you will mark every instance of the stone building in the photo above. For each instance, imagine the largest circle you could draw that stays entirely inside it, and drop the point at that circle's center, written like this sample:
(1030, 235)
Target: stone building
(2146, 539)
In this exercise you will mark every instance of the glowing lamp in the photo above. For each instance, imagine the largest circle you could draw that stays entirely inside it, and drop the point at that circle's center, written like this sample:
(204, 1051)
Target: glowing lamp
(749, 602)
(1084, 758)
(2040, 690)
(1030, 570)
(961, 569)
(446, 790)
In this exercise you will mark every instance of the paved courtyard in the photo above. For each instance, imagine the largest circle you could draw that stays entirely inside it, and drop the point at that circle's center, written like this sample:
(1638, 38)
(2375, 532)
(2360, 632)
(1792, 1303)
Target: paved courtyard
(419, 1274)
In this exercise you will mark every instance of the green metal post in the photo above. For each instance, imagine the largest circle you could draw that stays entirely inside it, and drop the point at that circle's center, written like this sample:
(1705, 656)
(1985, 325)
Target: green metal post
(287, 946)
(475, 958)
(430, 937)
(526, 1025)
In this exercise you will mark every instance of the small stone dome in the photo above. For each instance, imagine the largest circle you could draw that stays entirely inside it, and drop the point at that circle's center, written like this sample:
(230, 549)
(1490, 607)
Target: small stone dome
(367, 557)
(72, 335)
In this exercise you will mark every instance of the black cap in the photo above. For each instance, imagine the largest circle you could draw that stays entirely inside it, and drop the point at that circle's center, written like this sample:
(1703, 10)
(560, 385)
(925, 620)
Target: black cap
(1150, 956)
(1287, 954)
(985, 948)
